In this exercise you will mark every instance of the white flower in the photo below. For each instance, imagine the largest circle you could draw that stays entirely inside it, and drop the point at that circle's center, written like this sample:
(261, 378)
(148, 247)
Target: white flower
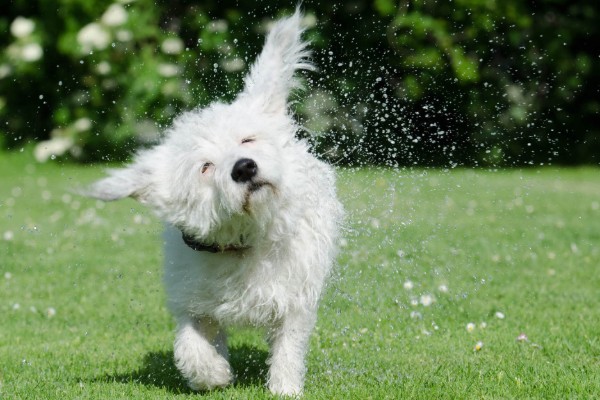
(8, 235)
(50, 312)
(31, 52)
(49, 148)
(22, 27)
(168, 70)
(103, 68)
(427, 300)
(172, 45)
(478, 346)
(82, 124)
(93, 36)
(499, 315)
(443, 288)
(237, 64)
(124, 35)
(309, 21)
(5, 70)
(470, 327)
(114, 15)
(408, 285)
(219, 25)
(415, 315)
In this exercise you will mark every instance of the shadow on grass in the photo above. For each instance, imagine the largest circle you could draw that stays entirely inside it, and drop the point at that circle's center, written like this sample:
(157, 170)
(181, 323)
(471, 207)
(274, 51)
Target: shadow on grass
(158, 370)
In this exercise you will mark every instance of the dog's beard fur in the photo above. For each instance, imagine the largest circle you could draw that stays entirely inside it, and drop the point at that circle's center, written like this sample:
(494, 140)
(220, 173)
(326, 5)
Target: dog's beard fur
(280, 207)
(246, 227)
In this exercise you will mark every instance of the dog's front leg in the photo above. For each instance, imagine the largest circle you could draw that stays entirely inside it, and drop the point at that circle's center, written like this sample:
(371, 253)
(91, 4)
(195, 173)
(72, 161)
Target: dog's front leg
(201, 353)
(289, 343)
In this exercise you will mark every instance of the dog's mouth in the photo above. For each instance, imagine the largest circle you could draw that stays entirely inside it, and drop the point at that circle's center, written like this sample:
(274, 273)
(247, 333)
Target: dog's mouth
(254, 187)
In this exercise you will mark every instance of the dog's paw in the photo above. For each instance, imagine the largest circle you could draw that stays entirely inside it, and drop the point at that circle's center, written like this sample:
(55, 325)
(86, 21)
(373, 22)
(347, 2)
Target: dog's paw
(282, 388)
(202, 366)
(217, 375)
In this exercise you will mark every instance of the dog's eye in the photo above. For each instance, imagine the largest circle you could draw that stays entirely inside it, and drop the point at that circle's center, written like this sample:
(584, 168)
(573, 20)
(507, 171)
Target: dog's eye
(248, 140)
(206, 166)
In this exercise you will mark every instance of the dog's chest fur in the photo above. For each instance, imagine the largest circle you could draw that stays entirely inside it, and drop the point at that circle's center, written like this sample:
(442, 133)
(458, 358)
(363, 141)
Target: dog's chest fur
(244, 287)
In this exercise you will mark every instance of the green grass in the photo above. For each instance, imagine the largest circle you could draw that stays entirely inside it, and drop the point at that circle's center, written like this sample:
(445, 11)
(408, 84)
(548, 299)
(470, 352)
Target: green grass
(523, 243)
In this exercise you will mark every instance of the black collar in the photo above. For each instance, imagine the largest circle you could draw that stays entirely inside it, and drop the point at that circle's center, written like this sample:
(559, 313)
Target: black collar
(211, 248)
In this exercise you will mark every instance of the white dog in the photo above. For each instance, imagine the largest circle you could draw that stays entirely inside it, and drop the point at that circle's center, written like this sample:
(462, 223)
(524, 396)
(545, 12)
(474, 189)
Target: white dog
(252, 220)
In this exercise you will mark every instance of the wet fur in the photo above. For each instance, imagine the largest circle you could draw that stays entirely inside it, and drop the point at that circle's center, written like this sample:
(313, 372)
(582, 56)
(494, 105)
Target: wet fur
(285, 220)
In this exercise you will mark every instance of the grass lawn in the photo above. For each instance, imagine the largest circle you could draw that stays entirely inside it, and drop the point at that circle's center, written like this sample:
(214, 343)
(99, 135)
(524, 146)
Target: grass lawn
(426, 253)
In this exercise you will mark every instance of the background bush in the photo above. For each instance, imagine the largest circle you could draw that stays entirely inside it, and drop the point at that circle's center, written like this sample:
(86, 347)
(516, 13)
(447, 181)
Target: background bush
(467, 82)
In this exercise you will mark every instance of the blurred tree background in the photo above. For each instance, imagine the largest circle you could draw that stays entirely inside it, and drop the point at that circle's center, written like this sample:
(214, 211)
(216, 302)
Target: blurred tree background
(462, 82)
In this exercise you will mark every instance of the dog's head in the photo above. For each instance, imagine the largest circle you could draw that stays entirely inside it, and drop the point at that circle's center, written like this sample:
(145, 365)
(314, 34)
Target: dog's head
(222, 170)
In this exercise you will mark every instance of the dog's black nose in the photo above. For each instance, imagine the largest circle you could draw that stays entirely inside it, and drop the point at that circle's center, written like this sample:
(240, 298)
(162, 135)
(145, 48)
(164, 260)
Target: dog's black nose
(244, 170)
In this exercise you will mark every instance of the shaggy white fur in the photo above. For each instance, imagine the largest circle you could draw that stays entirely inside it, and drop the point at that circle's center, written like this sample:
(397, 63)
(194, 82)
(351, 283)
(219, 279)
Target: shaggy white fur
(234, 179)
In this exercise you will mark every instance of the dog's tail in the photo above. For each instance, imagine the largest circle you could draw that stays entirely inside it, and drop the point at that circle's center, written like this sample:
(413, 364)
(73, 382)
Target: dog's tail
(271, 77)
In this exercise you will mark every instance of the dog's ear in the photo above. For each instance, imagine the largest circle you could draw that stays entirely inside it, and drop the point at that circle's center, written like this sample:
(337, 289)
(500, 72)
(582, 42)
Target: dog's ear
(271, 77)
(133, 181)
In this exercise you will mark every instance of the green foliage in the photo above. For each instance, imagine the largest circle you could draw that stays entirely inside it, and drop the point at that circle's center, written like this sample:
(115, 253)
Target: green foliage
(110, 76)
(426, 253)
(500, 82)
(468, 82)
